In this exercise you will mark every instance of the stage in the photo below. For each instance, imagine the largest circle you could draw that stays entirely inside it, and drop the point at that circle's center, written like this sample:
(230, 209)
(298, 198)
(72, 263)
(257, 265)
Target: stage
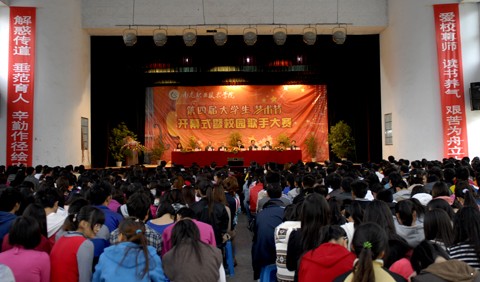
(242, 158)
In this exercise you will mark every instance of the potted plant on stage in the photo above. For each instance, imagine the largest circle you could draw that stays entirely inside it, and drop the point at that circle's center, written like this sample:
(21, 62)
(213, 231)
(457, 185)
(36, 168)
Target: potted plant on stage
(312, 147)
(283, 142)
(116, 140)
(341, 140)
(132, 148)
(234, 138)
(159, 147)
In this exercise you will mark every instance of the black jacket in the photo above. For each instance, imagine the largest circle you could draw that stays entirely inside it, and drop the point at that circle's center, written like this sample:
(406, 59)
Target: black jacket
(218, 219)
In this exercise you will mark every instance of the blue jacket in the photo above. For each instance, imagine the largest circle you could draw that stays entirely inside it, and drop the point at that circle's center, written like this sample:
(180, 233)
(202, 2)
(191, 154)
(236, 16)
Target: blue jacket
(112, 219)
(6, 221)
(124, 261)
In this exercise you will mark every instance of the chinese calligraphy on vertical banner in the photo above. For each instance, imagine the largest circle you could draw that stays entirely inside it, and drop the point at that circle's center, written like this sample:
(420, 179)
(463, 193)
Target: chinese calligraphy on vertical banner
(449, 52)
(21, 66)
(260, 113)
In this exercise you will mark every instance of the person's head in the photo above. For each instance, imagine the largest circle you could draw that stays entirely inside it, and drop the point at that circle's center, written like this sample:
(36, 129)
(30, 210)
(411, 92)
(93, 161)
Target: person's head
(132, 229)
(425, 254)
(359, 188)
(252, 142)
(231, 185)
(438, 227)
(315, 214)
(239, 142)
(369, 243)
(440, 189)
(346, 184)
(219, 195)
(10, 200)
(379, 212)
(37, 212)
(25, 232)
(308, 181)
(100, 193)
(267, 143)
(138, 205)
(88, 221)
(185, 233)
(464, 194)
(274, 190)
(293, 142)
(334, 181)
(48, 198)
(406, 213)
(333, 234)
(184, 213)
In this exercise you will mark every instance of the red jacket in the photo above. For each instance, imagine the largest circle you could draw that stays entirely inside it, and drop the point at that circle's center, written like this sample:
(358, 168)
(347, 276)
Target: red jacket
(325, 263)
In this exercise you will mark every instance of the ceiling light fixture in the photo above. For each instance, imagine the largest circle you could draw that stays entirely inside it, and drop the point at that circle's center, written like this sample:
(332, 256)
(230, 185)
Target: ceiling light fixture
(130, 37)
(309, 35)
(189, 36)
(280, 35)
(220, 36)
(160, 36)
(250, 36)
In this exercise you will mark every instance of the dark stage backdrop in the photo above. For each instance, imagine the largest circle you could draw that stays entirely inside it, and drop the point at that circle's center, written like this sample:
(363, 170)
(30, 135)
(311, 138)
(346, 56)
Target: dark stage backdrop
(351, 73)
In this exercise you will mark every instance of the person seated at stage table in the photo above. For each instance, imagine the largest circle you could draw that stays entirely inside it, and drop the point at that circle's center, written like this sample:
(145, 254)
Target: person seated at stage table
(179, 147)
(209, 147)
(252, 146)
(282, 146)
(240, 145)
(294, 145)
(223, 147)
(267, 146)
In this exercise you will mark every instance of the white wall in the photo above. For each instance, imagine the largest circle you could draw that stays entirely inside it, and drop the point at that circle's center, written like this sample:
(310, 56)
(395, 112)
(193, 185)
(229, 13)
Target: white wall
(409, 78)
(62, 82)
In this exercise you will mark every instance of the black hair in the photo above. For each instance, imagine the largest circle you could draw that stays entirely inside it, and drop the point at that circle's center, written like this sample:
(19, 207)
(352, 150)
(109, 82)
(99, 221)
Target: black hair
(404, 210)
(378, 212)
(138, 204)
(25, 231)
(462, 173)
(134, 231)
(331, 232)
(308, 181)
(443, 205)
(439, 189)
(359, 188)
(37, 212)
(438, 227)
(334, 180)
(185, 233)
(346, 184)
(47, 197)
(186, 212)
(355, 211)
(206, 189)
(417, 189)
(315, 214)
(466, 227)
(464, 190)
(337, 217)
(425, 254)
(99, 193)
(369, 241)
(90, 214)
(9, 197)
(274, 190)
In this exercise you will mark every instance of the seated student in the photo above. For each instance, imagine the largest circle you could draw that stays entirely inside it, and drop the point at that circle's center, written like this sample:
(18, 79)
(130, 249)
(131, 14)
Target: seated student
(438, 228)
(369, 244)
(252, 146)
(432, 263)
(330, 259)
(131, 259)
(190, 259)
(10, 200)
(49, 198)
(99, 196)
(138, 206)
(466, 242)
(207, 235)
(293, 145)
(223, 147)
(74, 249)
(267, 146)
(26, 263)
(209, 147)
(38, 213)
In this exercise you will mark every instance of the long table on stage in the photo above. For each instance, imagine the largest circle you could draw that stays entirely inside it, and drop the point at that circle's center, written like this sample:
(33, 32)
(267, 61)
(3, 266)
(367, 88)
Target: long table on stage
(203, 158)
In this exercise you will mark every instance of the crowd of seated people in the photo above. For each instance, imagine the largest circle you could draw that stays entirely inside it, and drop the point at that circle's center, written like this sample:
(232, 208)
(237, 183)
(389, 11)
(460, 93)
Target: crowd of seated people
(394, 220)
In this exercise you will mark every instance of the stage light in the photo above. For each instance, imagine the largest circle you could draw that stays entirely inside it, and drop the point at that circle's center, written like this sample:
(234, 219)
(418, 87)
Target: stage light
(220, 36)
(309, 35)
(130, 37)
(250, 36)
(339, 35)
(280, 35)
(160, 36)
(189, 36)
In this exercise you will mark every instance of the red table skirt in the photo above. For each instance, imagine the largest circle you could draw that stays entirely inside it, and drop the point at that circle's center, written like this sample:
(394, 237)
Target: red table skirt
(203, 158)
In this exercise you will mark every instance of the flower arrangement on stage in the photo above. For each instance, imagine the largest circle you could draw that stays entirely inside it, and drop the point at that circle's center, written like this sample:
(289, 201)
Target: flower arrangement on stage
(116, 140)
(279, 148)
(132, 145)
(235, 150)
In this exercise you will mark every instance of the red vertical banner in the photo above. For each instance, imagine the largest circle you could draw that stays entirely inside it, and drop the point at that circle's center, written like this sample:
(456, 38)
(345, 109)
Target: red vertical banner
(21, 66)
(450, 71)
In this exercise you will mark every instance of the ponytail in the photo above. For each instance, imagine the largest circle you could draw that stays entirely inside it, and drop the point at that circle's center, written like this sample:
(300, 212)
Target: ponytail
(369, 242)
(133, 230)
(363, 269)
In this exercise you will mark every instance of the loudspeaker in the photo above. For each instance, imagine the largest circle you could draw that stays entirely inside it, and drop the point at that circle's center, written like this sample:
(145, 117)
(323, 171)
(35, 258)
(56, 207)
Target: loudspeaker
(235, 161)
(475, 95)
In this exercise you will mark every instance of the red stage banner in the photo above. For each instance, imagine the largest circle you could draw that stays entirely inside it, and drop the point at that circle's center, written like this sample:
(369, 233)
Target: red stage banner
(449, 52)
(21, 66)
(260, 113)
